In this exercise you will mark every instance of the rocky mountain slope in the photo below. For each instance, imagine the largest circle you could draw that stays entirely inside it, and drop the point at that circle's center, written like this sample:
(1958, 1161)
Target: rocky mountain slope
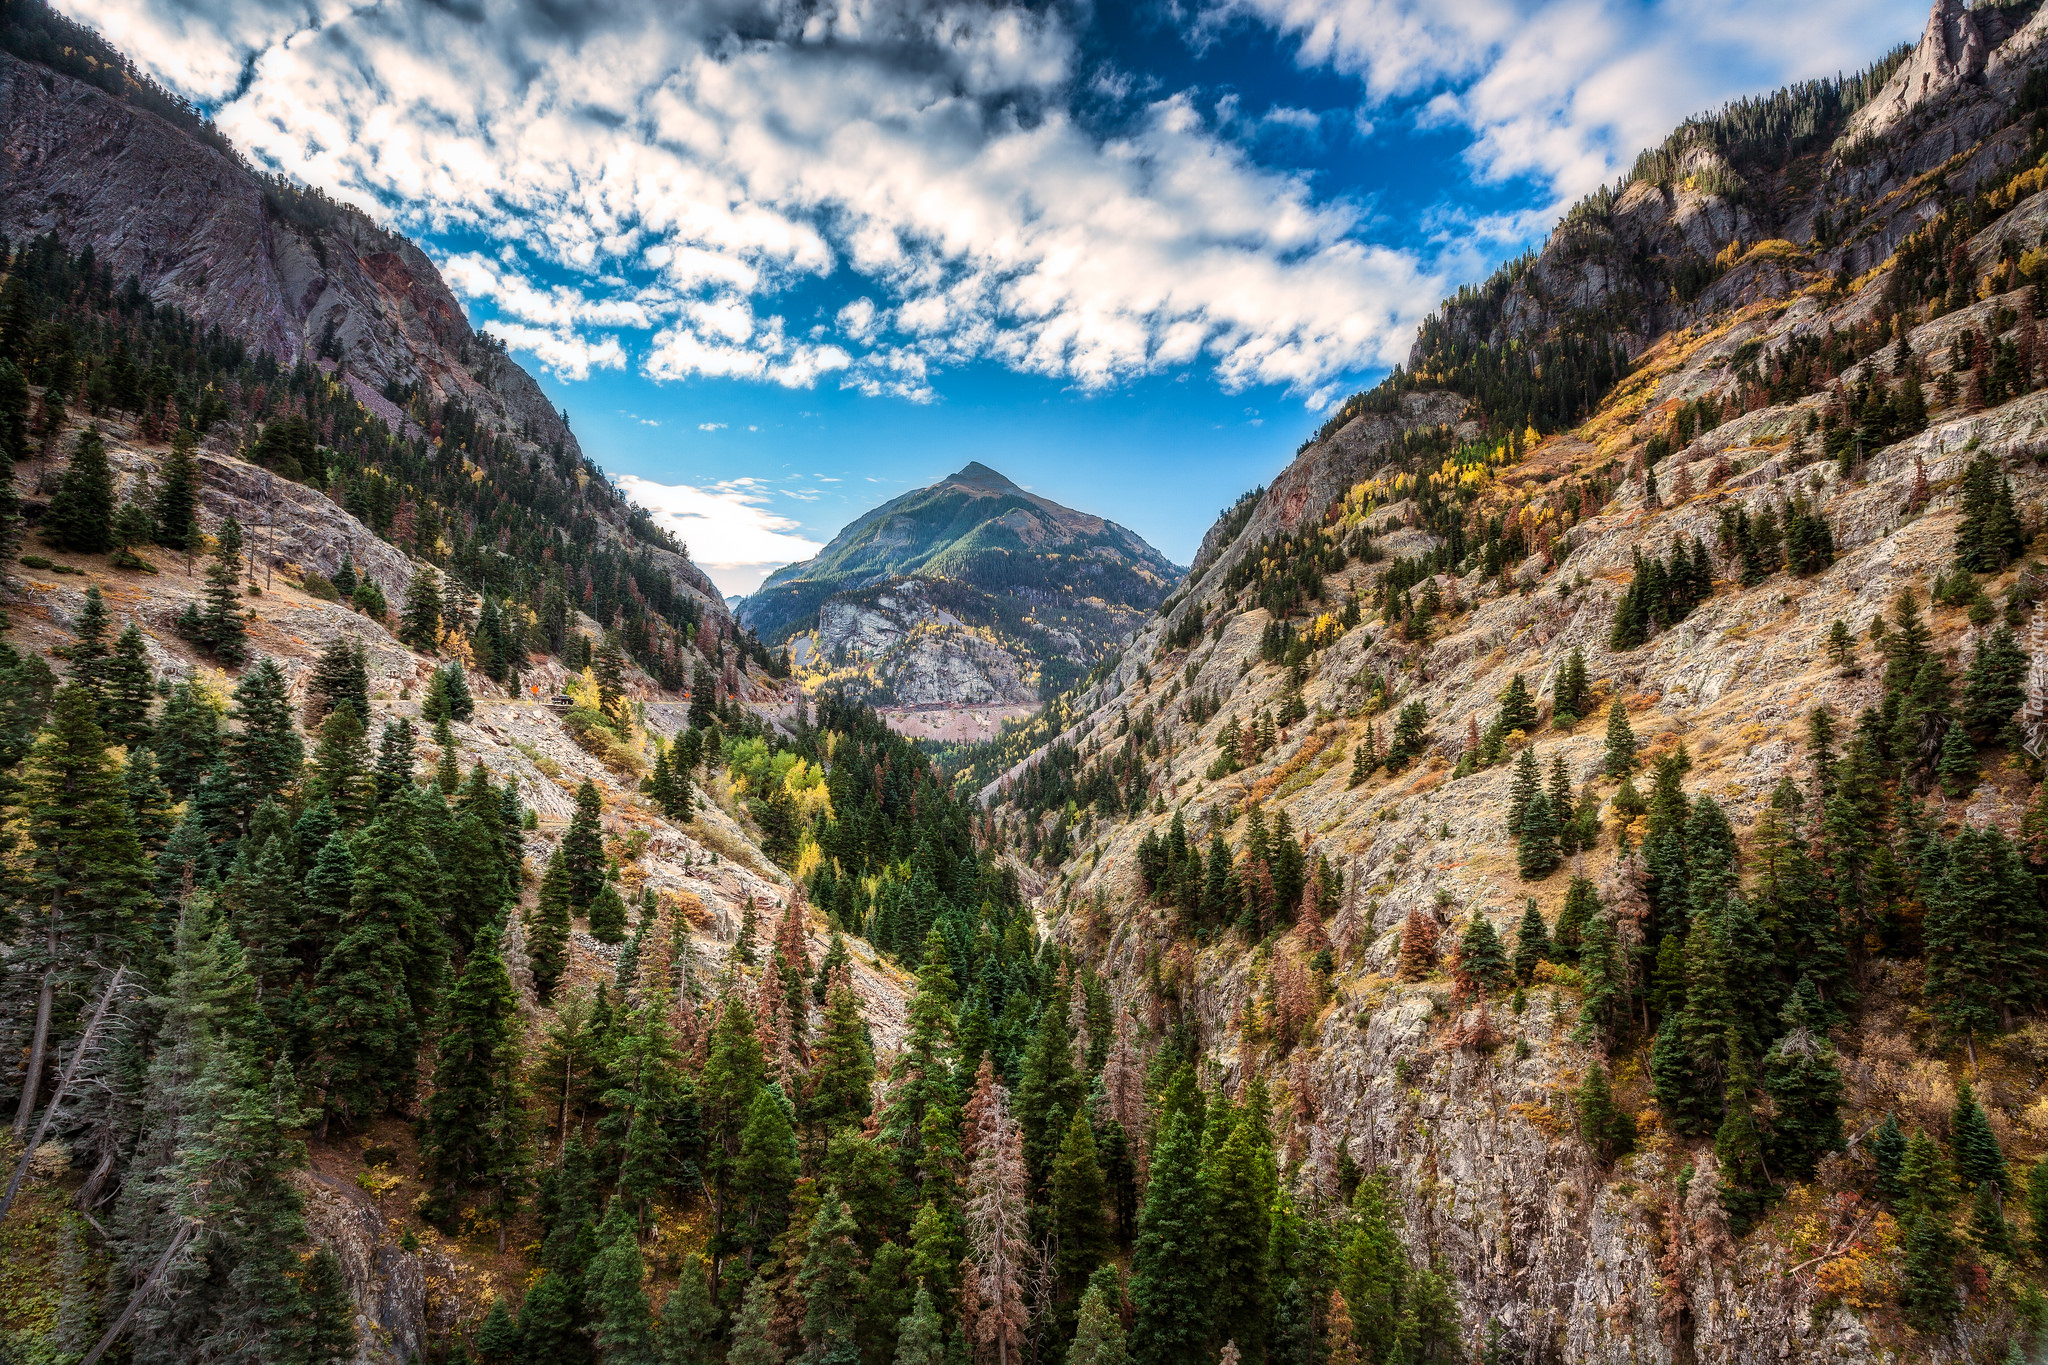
(1799, 307)
(972, 600)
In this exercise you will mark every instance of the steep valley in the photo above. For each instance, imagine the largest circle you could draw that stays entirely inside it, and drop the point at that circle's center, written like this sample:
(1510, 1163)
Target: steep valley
(1558, 880)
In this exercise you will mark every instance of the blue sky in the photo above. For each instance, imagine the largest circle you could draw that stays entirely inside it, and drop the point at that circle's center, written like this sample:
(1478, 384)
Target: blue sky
(780, 260)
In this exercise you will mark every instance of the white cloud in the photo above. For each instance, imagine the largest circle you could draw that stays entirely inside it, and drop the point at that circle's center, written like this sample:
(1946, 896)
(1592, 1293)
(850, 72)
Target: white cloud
(567, 355)
(1568, 91)
(687, 161)
(710, 153)
(711, 426)
(730, 534)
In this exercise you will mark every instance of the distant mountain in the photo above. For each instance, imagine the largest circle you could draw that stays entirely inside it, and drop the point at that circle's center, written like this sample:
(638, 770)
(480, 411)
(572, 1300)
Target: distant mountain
(972, 592)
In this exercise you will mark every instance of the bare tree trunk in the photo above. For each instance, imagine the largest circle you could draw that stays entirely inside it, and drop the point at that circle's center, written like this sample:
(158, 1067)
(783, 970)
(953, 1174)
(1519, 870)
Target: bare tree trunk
(63, 1084)
(135, 1302)
(46, 1002)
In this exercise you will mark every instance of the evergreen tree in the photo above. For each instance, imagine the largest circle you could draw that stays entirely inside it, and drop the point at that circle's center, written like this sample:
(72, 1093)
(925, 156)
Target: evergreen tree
(1523, 787)
(219, 628)
(1048, 1092)
(187, 738)
(1738, 1146)
(1986, 934)
(1170, 1282)
(1978, 1160)
(1099, 1335)
(497, 1341)
(1517, 708)
(2037, 1206)
(1805, 1086)
(81, 513)
(265, 753)
(1607, 1130)
(831, 1284)
(1619, 760)
(1929, 1279)
(765, 1174)
(341, 678)
(753, 1331)
(608, 915)
(689, 1320)
(1537, 850)
(1988, 1227)
(125, 690)
(621, 1320)
(547, 1323)
(362, 1013)
(476, 1130)
(1888, 1154)
(419, 624)
(548, 925)
(1481, 959)
(1956, 768)
(1373, 1272)
(1581, 903)
(84, 881)
(582, 848)
(842, 1074)
(176, 511)
(1078, 1196)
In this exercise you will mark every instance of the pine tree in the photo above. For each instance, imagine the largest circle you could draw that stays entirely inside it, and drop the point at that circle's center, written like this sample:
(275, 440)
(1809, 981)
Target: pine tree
(1606, 1129)
(831, 1284)
(85, 882)
(1988, 1228)
(1957, 766)
(1077, 1199)
(1738, 1146)
(689, 1320)
(1929, 1279)
(843, 1068)
(1888, 1154)
(176, 511)
(1978, 1160)
(1418, 947)
(497, 1341)
(1581, 903)
(362, 1012)
(419, 624)
(1523, 787)
(1047, 1093)
(1170, 1284)
(608, 915)
(765, 1174)
(2037, 1206)
(1099, 1335)
(1339, 1331)
(1373, 1273)
(476, 1128)
(547, 1323)
(753, 1331)
(125, 690)
(582, 848)
(1517, 708)
(81, 514)
(621, 1320)
(341, 678)
(218, 628)
(1986, 935)
(548, 925)
(1482, 962)
(265, 753)
(1619, 759)
(1537, 848)
(1805, 1086)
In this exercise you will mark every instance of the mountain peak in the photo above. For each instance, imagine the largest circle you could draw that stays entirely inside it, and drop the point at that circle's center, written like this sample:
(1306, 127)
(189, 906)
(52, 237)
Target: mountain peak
(980, 476)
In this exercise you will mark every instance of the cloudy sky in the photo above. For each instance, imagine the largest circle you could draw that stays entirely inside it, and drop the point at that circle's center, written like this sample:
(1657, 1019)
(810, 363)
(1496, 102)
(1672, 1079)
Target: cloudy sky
(783, 259)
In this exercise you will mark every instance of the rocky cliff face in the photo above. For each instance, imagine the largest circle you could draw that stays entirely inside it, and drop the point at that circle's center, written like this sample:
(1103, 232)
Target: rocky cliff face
(1467, 1104)
(277, 269)
(971, 595)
